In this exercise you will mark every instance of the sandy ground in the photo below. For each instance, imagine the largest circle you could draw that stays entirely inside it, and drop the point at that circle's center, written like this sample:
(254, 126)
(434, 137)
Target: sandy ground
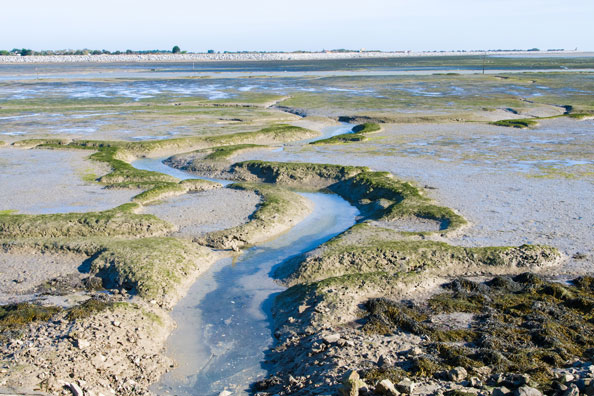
(48, 181)
(199, 213)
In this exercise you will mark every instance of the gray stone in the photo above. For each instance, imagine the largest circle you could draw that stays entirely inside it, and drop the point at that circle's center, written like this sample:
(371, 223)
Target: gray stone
(527, 391)
(385, 361)
(75, 389)
(331, 338)
(82, 344)
(406, 386)
(501, 391)
(386, 387)
(566, 377)
(414, 351)
(351, 384)
(457, 374)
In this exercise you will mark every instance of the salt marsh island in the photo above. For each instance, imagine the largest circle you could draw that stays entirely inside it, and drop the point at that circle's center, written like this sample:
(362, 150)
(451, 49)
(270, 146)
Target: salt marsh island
(362, 225)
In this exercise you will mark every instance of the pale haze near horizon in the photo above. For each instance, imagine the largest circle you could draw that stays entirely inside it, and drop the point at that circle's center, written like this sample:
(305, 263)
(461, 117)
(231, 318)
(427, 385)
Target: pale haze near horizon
(266, 25)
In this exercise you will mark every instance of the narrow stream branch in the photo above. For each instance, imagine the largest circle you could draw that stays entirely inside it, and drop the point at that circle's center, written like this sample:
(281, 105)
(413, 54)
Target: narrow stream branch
(224, 322)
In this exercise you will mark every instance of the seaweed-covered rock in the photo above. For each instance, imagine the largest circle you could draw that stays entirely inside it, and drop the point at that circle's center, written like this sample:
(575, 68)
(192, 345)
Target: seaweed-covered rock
(523, 326)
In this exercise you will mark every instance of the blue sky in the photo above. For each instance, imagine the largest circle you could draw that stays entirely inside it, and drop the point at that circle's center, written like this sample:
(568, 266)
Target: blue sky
(221, 25)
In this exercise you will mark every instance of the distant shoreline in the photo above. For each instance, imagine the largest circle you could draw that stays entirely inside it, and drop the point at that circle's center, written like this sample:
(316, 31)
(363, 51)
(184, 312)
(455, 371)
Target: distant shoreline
(262, 57)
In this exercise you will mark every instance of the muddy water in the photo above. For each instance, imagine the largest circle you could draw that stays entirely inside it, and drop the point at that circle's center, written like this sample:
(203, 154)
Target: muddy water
(224, 323)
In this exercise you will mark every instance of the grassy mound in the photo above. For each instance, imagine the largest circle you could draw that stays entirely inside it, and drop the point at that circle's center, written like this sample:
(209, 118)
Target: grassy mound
(377, 194)
(394, 257)
(278, 210)
(114, 222)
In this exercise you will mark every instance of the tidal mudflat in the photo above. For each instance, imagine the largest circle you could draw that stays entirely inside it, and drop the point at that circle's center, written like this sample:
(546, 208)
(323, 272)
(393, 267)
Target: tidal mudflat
(48, 181)
(409, 227)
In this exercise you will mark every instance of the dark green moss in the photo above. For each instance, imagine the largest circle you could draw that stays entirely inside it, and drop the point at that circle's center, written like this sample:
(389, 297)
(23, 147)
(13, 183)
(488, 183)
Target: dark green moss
(393, 256)
(516, 123)
(341, 139)
(296, 173)
(368, 127)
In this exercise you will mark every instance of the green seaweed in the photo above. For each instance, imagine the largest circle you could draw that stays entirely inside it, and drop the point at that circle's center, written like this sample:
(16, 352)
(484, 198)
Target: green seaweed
(151, 267)
(516, 123)
(337, 259)
(520, 324)
(14, 316)
(87, 308)
(356, 184)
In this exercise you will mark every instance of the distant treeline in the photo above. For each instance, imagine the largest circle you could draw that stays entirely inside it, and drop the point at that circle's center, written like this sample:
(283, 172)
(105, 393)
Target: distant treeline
(176, 50)
(28, 52)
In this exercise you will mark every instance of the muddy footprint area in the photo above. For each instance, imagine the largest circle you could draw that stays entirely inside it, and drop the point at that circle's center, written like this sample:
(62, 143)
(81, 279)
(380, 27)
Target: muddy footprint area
(195, 214)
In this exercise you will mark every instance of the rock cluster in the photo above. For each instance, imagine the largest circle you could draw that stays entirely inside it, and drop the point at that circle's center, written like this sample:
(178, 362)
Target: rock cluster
(115, 351)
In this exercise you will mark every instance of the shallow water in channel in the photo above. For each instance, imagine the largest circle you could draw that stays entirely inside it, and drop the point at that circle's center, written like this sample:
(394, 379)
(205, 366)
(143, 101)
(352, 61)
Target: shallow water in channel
(224, 322)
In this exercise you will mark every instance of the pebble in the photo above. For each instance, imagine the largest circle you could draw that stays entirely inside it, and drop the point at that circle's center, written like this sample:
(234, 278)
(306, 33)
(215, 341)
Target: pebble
(82, 343)
(331, 338)
(527, 391)
(75, 389)
(501, 391)
(406, 386)
(457, 374)
(386, 387)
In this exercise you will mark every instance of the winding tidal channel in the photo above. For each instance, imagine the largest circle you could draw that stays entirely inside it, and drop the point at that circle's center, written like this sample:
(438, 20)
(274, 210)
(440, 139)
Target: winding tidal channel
(224, 323)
